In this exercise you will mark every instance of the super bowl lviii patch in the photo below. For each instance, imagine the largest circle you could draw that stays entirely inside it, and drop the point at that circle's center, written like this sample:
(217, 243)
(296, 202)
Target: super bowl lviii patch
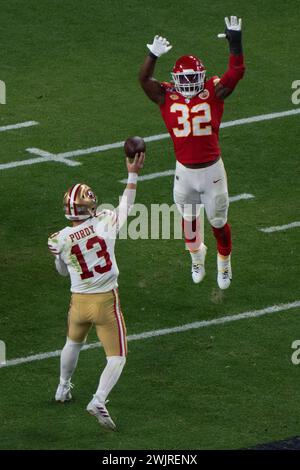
(204, 94)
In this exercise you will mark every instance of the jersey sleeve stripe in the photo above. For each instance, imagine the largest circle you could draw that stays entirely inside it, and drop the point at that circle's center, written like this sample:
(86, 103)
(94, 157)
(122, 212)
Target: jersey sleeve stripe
(52, 249)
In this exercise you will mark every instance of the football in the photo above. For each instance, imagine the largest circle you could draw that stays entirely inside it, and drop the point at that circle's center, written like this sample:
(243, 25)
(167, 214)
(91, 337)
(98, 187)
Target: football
(134, 145)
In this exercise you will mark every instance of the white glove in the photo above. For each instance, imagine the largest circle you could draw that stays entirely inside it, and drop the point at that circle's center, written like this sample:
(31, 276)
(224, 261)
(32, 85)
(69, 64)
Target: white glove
(159, 46)
(234, 24)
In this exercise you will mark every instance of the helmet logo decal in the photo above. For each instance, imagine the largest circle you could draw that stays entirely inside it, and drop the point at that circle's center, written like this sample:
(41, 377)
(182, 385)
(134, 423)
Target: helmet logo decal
(90, 194)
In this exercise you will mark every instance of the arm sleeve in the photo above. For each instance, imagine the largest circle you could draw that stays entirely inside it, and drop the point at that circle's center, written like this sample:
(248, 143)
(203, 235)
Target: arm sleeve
(235, 71)
(61, 267)
(125, 206)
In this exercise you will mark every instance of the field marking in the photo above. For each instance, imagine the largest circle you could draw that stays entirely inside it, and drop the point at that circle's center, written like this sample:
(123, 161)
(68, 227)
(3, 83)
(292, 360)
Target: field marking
(239, 197)
(152, 138)
(30, 161)
(152, 176)
(18, 126)
(52, 156)
(166, 331)
(60, 157)
(47, 157)
(279, 228)
(43, 157)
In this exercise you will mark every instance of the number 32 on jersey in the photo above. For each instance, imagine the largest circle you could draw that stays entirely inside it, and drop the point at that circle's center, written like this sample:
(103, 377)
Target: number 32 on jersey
(192, 124)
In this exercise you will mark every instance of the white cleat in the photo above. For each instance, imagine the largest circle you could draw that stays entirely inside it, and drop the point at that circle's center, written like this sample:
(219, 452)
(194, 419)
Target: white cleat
(224, 272)
(198, 267)
(99, 410)
(63, 392)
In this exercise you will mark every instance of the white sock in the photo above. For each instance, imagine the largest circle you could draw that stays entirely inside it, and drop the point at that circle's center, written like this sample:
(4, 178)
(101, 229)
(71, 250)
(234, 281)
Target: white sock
(68, 359)
(110, 376)
(197, 255)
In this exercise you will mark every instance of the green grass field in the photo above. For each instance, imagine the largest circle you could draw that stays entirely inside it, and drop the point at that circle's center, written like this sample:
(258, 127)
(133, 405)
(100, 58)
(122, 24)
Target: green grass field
(73, 68)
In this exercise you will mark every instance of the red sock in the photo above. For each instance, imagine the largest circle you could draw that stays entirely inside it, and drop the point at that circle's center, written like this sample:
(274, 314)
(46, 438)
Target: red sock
(191, 230)
(223, 237)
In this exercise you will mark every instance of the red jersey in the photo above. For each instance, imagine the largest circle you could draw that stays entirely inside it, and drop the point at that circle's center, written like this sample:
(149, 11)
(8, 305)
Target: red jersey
(193, 123)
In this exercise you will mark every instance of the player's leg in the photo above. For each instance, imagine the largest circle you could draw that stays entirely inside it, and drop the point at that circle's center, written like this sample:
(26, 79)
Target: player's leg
(78, 328)
(216, 202)
(111, 331)
(187, 199)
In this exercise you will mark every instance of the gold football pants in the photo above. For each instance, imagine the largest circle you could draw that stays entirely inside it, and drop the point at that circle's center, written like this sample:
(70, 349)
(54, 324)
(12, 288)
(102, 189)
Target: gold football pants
(104, 311)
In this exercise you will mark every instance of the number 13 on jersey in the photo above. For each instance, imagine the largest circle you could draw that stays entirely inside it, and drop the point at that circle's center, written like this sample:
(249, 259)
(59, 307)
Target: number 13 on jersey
(192, 124)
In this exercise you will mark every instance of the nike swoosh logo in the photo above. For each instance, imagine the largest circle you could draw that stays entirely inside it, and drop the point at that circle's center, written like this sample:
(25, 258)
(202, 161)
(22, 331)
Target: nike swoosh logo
(217, 180)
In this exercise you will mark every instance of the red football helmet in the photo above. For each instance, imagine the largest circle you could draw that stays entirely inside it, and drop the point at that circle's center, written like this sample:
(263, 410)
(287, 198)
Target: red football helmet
(188, 75)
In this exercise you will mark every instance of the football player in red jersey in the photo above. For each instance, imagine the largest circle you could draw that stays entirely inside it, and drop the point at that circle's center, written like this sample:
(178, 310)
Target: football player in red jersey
(192, 107)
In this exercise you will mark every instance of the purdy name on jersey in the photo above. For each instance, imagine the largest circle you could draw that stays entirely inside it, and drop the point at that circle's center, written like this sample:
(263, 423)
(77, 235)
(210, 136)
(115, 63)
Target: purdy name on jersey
(87, 250)
(193, 123)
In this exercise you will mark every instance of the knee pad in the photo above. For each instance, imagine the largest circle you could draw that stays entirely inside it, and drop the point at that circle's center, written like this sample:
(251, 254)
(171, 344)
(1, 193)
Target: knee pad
(219, 213)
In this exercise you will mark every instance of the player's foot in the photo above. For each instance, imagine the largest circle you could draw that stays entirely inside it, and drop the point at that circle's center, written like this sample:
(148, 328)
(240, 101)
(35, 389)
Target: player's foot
(63, 392)
(224, 271)
(198, 264)
(99, 410)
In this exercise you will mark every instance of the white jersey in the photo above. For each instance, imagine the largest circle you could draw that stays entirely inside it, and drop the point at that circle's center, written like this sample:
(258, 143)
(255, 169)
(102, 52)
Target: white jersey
(87, 251)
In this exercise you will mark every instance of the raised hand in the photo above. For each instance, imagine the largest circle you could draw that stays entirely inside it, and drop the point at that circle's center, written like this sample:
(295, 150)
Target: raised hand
(159, 46)
(232, 24)
(135, 165)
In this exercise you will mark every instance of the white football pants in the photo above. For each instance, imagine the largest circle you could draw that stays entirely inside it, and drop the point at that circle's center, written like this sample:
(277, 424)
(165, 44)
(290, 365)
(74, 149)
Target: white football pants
(207, 186)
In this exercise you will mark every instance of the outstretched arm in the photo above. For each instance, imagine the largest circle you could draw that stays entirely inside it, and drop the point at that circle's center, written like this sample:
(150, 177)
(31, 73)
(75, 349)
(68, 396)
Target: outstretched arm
(236, 67)
(128, 197)
(150, 85)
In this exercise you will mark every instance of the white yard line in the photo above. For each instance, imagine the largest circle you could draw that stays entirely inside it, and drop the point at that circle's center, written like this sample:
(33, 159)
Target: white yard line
(152, 176)
(237, 122)
(18, 126)
(44, 157)
(279, 228)
(262, 117)
(29, 161)
(61, 157)
(52, 156)
(99, 148)
(166, 331)
(240, 197)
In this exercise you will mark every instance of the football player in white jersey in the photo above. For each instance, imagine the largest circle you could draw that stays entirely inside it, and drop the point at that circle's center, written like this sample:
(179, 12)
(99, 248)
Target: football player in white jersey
(85, 252)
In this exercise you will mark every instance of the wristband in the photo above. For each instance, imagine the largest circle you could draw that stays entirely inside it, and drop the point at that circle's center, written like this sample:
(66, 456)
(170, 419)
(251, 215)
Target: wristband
(132, 178)
(152, 55)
